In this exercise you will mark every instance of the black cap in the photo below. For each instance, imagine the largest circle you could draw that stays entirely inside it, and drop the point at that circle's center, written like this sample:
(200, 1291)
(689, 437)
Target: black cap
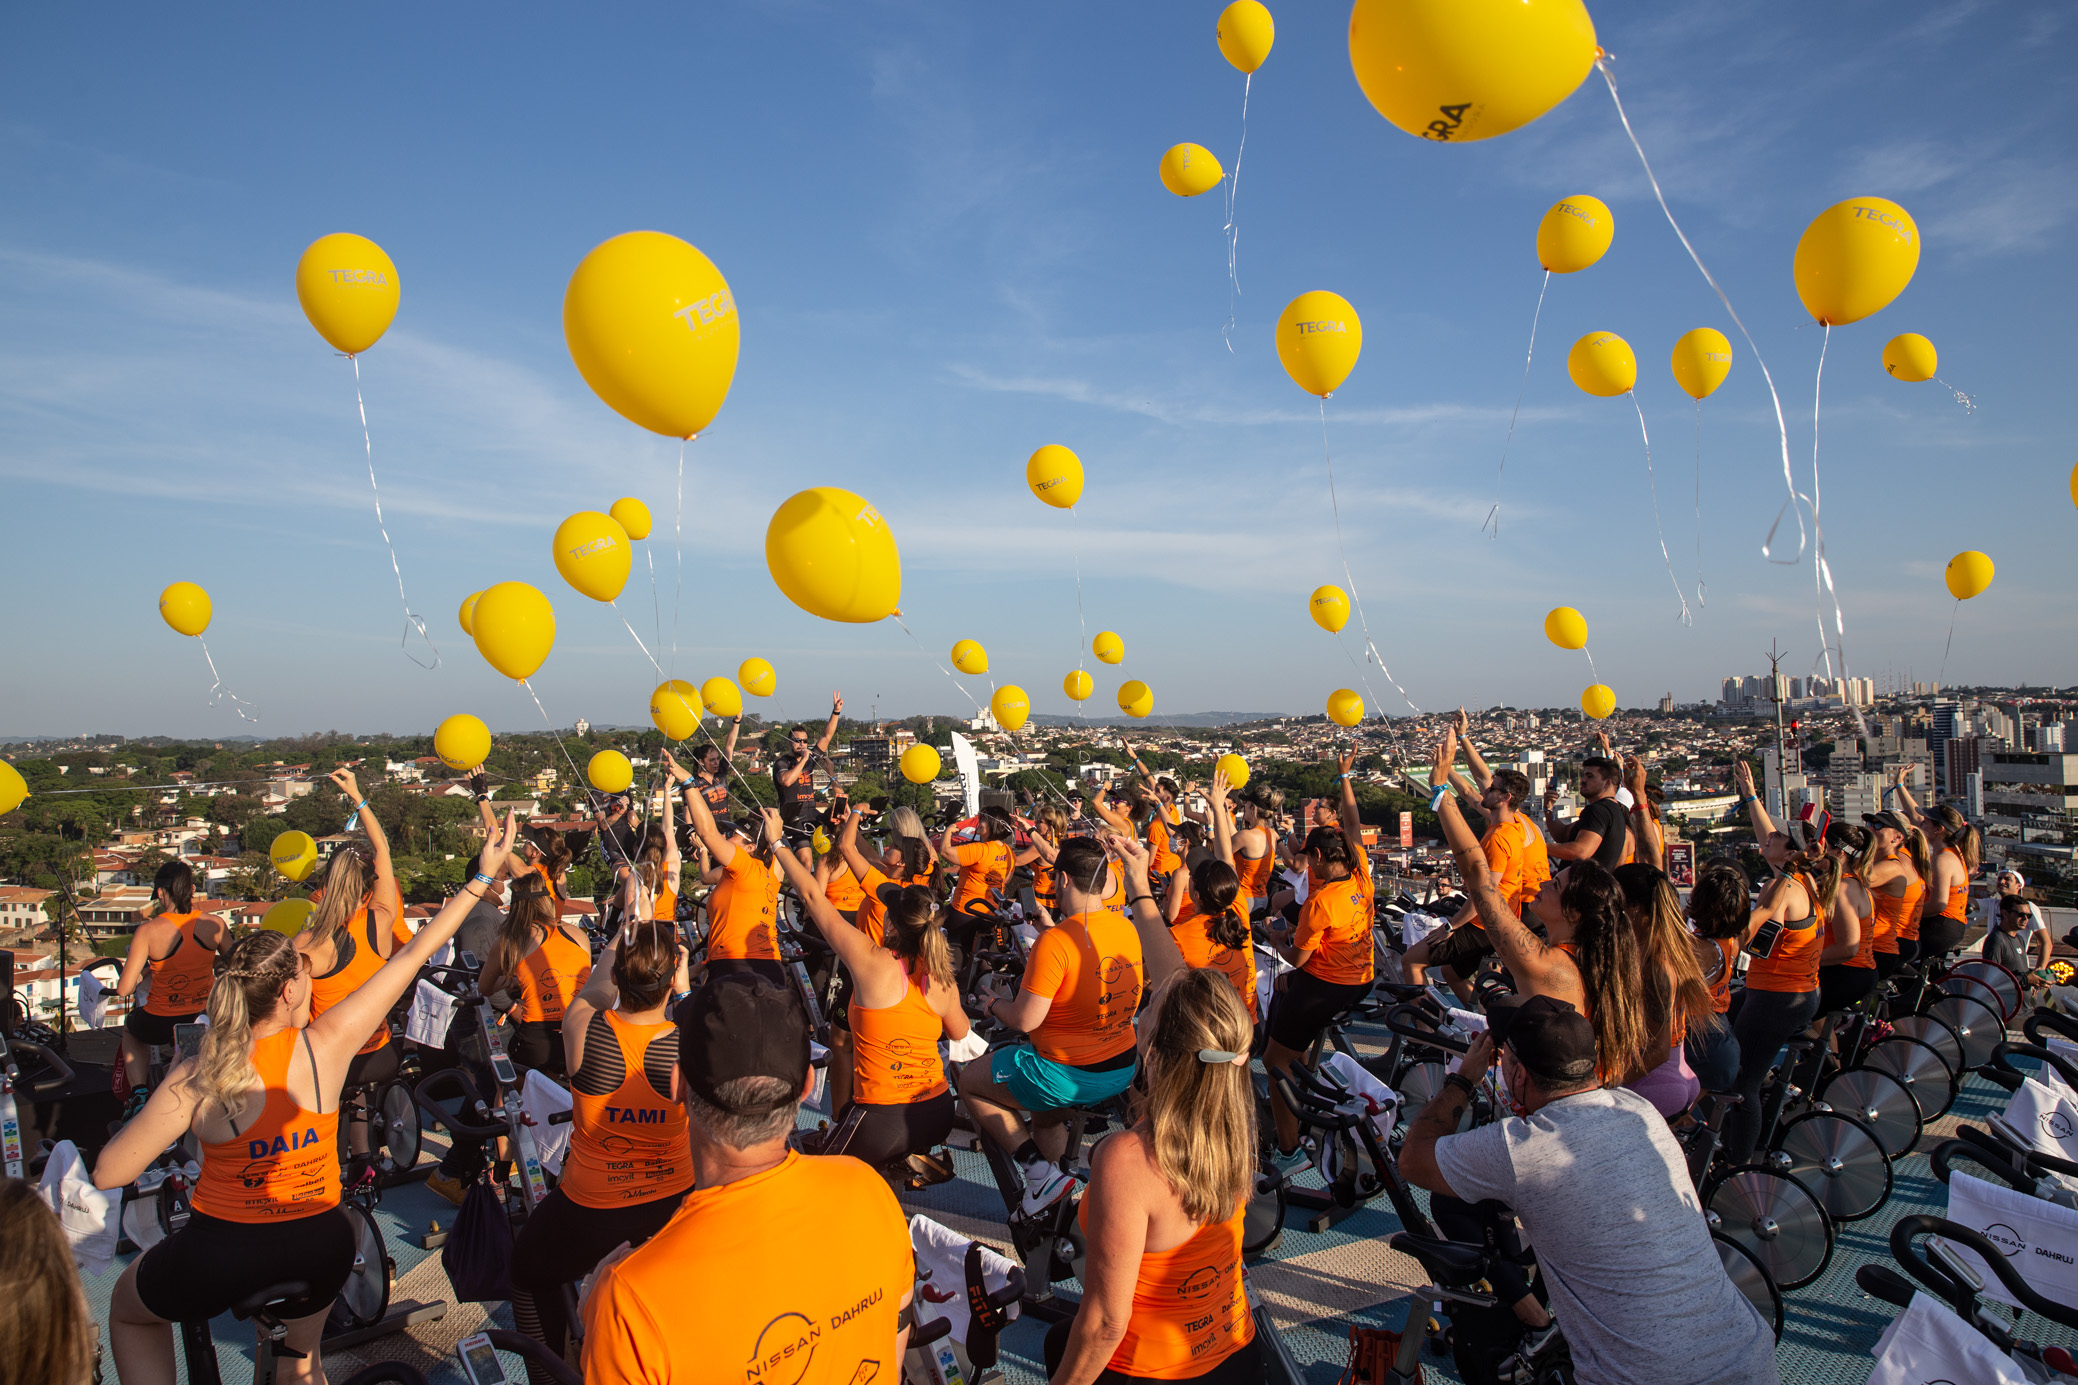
(888, 892)
(741, 1024)
(1886, 818)
(1547, 1036)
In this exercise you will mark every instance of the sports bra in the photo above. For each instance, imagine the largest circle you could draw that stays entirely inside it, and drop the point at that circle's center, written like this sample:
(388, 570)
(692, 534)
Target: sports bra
(627, 1136)
(182, 978)
(285, 1164)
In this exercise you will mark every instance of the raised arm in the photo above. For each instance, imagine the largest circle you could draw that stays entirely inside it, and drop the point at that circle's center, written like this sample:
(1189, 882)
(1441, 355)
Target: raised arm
(1645, 828)
(1115, 820)
(1910, 804)
(848, 845)
(836, 715)
(1756, 811)
(851, 946)
(1222, 819)
(1524, 953)
(1481, 775)
(709, 834)
(674, 860)
(386, 902)
(480, 789)
(1158, 949)
(1352, 826)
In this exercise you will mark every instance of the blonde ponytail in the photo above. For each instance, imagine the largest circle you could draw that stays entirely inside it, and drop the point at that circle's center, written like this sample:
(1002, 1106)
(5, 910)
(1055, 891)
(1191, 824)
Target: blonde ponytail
(1201, 1112)
(256, 971)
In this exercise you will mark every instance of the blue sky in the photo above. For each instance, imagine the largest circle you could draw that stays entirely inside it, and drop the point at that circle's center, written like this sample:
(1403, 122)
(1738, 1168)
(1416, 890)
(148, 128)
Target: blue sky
(944, 232)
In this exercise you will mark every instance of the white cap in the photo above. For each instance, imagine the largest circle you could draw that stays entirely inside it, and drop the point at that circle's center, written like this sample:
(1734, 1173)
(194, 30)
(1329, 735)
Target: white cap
(2018, 878)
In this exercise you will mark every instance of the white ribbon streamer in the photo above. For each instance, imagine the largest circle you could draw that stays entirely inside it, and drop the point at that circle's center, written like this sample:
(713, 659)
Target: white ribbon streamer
(1347, 576)
(1653, 486)
(1493, 516)
(218, 692)
(412, 620)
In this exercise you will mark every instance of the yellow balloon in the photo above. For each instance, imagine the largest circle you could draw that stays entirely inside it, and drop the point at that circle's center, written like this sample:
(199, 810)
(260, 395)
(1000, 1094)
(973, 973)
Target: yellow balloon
(1319, 337)
(1598, 700)
(1055, 476)
(462, 741)
(287, 917)
(633, 516)
(1329, 609)
(1108, 647)
(757, 677)
(1854, 258)
(1010, 707)
(969, 657)
(515, 628)
(1131, 693)
(722, 697)
(1235, 769)
(348, 289)
(1079, 685)
(185, 607)
(920, 764)
(1345, 708)
(1969, 573)
(1245, 33)
(834, 556)
(467, 615)
(1455, 70)
(13, 788)
(653, 328)
(1911, 358)
(591, 551)
(1141, 709)
(1189, 169)
(2074, 483)
(1566, 628)
(1603, 364)
(820, 840)
(294, 854)
(1574, 234)
(610, 772)
(1701, 360)
(675, 707)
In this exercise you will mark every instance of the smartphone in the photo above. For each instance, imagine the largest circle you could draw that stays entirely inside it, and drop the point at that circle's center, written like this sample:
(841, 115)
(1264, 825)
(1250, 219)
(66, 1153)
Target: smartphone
(188, 1039)
(1765, 938)
(1029, 901)
(480, 1360)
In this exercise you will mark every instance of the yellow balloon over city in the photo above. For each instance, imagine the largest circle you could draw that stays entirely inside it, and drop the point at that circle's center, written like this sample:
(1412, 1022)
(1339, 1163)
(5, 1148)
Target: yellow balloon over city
(1108, 647)
(1911, 358)
(185, 607)
(1055, 475)
(757, 677)
(653, 329)
(1854, 258)
(722, 697)
(1234, 768)
(1701, 361)
(1245, 33)
(1345, 708)
(2074, 483)
(609, 772)
(467, 615)
(348, 289)
(1598, 700)
(1135, 698)
(1010, 707)
(462, 741)
(969, 657)
(675, 707)
(1574, 234)
(833, 556)
(1319, 337)
(1969, 573)
(591, 551)
(1079, 685)
(1455, 70)
(1566, 628)
(920, 763)
(294, 854)
(515, 628)
(633, 516)
(13, 788)
(288, 917)
(1603, 364)
(1189, 169)
(820, 840)
(1329, 608)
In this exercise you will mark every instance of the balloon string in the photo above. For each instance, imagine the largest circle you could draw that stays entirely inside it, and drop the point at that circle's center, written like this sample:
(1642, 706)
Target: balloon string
(1082, 648)
(1347, 576)
(638, 639)
(1823, 575)
(1360, 674)
(1493, 516)
(1968, 402)
(411, 618)
(678, 549)
(576, 776)
(655, 607)
(1232, 227)
(1701, 598)
(1018, 745)
(1653, 486)
(1591, 663)
(1942, 677)
(1789, 483)
(218, 692)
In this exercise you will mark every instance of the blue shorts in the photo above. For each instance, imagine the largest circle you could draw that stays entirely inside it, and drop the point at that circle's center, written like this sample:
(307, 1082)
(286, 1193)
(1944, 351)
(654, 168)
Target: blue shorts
(1040, 1084)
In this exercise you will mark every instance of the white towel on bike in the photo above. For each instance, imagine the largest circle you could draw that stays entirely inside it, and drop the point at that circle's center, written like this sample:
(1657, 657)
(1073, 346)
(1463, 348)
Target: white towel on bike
(1268, 967)
(2040, 1238)
(2045, 1117)
(963, 1050)
(1416, 925)
(540, 1098)
(2064, 1049)
(941, 1274)
(1929, 1342)
(1467, 1023)
(432, 1011)
(1382, 1102)
(93, 1000)
(88, 1215)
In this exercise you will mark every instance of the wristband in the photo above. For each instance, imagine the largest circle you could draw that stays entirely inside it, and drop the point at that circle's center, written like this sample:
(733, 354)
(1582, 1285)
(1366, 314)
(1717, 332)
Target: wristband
(486, 879)
(359, 806)
(1436, 798)
(483, 798)
(1137, 898)
(1461, 1082)
(1750, 798)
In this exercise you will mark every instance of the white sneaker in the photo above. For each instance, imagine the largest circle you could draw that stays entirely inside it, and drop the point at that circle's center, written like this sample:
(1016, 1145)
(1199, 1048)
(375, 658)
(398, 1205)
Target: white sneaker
(1045, 1184)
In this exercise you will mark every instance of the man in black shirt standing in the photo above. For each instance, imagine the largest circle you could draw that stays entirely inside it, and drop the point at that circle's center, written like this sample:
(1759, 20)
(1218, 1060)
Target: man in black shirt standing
(794, 777)
(1602, 830)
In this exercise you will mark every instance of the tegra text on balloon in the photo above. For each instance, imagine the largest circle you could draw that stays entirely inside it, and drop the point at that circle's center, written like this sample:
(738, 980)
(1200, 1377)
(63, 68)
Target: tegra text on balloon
(1308, 328)
(713, 308)
(1883, 218)
(373, 277)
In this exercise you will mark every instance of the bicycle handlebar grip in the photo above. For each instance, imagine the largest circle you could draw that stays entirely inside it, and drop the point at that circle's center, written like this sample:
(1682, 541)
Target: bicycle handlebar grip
(61, 1071)
(929, 1331)
(1881, 1281)
(538, 1356)
(1907, 1254)
(427, 1095)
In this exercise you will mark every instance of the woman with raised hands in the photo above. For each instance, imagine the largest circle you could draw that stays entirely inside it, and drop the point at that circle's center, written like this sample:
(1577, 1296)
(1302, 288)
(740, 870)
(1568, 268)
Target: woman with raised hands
(1958, 853)
(1206, 916)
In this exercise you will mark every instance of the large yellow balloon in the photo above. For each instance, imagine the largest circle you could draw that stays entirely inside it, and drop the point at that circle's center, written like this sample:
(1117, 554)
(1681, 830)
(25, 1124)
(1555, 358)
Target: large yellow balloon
(1574, 234)
(467, 615)
(757, 677)
(1602, 363)
(1010, 707)
(1055, 475)
(1969, 573)
(348, 289)
(1329, 609)
(2074, 483)
(591, 551)
(969, 657)
(1456, 70)
(462, 741)
(13, 788)
(1566, 628)
(1911, 358)
(1235, 769)
(1189, 169)
(1108, 647)
(675, 707)
(185, 607)
(1701, 360)
(653, 329)
(287, 917)
(1132, 693)
(722, 697)
(920, 764)
(1079, 685)
(633, 516)
(610, 772)
(294, 854)
(1854, 258)
(1319, 337)
(1345, 708)
(833, 556)
(515, 628)
(1598, 700)
(1245, 33)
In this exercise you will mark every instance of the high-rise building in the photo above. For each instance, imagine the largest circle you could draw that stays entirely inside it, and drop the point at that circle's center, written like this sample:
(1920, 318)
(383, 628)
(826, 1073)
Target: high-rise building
(2030, 800)
(1666, 702)
(1959, 760)
(1732, 695)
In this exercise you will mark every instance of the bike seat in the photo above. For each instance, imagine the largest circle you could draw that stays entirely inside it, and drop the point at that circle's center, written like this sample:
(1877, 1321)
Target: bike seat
(273, 1296)
(1452, 1264)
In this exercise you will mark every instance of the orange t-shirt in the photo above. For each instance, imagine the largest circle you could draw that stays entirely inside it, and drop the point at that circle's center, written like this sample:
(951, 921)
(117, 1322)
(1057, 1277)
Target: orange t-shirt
(872, 919)
(843, 891)
(743, 911)
(1163, 860)
(181, 980)
(285, 1164)
(361, 961)
(742, 1277)
(1335, 925)
(895, 1050)
(1090, 967)
(550, 977)
(984, 866)
(1190, 1309)
(1516, 854)
(1193, 933)
(627, 1143)
(1792, 965)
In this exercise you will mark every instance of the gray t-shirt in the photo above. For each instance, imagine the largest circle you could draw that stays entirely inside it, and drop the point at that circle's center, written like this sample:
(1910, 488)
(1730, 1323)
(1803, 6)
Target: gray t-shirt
(1603, 1192)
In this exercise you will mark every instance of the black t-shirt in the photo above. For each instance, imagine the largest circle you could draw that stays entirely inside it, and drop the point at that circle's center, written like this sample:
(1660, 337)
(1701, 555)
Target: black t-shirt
(795, 798)
(1606, 816)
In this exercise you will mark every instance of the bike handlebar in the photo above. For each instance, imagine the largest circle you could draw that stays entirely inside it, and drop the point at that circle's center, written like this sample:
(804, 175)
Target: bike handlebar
(428, 1097)
(1423, 1036)
(2040, 1052)
(61, 1071)
(2012, 1173)
(1947, 1286)
(539, 1357)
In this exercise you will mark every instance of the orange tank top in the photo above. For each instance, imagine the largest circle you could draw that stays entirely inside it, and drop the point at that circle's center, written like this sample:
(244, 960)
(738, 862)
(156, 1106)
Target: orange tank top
(1792, 965)
(1866, 956)
(1915, 897)
(895, 1050)
(181, 980)
(844, 892)
(627, 1145)
(1959, 897)
(1721, 988)
(354, 961)
(1190, 1311)
(285, 1164)
(550, 977)
(1255, 875)
(666, 908)
(1889, 910)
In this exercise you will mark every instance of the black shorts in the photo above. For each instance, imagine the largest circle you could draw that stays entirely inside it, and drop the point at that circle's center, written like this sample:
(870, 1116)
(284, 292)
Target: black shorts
(1886, 963)
(1908, 950)
(1302, 1004)
(1940, 934)
(148, 1028)
(1840, 986)
(1243, 1367)
(538, 1044)
(208, 1266)
(373, 1066)
(771, 970)
(883, 1135)
(563, 1241)
(1462, 949)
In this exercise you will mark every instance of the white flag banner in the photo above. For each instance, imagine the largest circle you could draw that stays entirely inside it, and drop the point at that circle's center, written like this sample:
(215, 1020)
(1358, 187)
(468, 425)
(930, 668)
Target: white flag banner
(2039, 1239)
(970, 772)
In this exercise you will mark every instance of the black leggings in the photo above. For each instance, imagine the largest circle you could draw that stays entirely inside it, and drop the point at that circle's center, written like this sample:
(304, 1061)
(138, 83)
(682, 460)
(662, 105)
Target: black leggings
(883, 1135)
(1841, 986)
(561, 1243)
(1886, 963)
(1940, 934)
(1302, 1005)
(1763, 1022)
(1244, 1367)
(210, 1265)
(1491, 1224)
(538, 1044)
